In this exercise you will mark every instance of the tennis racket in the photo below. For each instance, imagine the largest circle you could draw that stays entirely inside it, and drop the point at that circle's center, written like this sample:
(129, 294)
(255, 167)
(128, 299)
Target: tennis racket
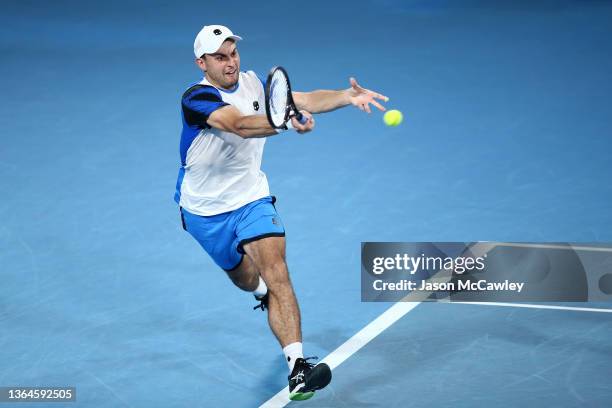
(280, 107)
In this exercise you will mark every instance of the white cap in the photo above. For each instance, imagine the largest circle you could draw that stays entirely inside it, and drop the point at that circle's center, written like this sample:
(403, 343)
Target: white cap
(210, 38)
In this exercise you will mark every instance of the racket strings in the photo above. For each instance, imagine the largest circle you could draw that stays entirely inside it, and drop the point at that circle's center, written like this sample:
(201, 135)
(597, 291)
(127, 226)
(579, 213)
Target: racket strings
(279, 92)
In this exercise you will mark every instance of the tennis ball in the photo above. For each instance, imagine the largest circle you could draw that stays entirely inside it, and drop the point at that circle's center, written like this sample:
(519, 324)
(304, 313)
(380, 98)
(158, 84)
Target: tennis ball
(393, 117)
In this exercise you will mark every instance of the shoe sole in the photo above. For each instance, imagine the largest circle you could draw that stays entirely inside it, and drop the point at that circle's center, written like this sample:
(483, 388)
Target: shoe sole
(301, 396)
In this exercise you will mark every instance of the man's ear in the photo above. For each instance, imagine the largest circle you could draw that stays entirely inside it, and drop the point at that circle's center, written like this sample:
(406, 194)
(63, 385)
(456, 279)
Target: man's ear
(200, 62)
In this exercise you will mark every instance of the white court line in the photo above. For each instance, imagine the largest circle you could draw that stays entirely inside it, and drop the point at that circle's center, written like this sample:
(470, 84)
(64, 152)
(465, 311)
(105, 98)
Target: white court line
(398, 310)
(390, 316)
(550, 246)
(352, 345)
(532, 306)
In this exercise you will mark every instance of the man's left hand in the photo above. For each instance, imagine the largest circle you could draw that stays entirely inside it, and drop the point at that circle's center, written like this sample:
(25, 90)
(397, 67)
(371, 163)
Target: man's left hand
(362, 98)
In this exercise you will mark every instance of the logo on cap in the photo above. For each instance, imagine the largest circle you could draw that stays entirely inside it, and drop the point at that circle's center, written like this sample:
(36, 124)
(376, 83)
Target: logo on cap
(217, 31)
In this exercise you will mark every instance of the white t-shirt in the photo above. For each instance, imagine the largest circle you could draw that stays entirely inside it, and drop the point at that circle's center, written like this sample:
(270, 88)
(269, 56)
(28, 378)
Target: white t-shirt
(220, 171)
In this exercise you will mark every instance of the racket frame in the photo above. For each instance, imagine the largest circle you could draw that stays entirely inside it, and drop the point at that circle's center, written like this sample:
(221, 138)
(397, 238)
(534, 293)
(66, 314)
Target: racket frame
(290, 110)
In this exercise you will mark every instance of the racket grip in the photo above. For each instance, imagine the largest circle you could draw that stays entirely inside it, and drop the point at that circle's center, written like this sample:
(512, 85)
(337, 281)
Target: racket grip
(301, 118)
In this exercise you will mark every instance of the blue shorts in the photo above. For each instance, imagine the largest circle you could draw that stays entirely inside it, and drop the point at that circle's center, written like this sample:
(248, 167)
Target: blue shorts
(223, 235)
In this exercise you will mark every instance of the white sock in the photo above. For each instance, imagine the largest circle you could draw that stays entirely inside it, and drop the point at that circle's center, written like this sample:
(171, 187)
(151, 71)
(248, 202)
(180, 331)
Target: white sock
(262, 289)
(292, 352)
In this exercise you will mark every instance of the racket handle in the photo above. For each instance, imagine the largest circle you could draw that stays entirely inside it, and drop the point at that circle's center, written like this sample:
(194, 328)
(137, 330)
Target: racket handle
(301, 118)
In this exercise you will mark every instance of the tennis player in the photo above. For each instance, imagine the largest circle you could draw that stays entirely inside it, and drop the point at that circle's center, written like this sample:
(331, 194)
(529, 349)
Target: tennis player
(224, 198)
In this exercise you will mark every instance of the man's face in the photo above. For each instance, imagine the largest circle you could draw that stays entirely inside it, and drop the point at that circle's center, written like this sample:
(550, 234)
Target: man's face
(222, 67)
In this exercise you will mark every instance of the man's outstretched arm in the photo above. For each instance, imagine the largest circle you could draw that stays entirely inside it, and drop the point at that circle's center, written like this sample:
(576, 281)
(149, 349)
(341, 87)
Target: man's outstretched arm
(229, 119)
(325, 101)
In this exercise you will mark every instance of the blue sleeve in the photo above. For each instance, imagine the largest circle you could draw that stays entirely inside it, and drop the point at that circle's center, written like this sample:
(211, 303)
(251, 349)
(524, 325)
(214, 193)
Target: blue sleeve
(198, 103)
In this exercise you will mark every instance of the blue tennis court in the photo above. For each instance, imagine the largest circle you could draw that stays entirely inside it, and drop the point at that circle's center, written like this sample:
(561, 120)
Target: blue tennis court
(506, 137)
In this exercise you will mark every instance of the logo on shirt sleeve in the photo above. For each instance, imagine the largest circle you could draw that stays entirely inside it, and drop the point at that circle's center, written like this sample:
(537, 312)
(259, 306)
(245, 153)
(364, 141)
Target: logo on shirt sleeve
(256, 105)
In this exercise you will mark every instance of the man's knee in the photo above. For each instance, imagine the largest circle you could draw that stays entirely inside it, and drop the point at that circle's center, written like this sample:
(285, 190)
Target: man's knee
(245, 275)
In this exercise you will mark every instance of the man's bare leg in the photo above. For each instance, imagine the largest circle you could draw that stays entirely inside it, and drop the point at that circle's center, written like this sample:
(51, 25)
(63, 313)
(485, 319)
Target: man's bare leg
(268, 257)
(245, 275)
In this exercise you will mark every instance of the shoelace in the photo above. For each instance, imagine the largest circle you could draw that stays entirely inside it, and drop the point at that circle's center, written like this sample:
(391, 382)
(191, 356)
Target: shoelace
(303, 364)
(262, 303)
(307, 364)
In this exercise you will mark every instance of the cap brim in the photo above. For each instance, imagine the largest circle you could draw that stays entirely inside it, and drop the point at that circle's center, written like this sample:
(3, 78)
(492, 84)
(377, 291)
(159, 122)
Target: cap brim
(232, 37)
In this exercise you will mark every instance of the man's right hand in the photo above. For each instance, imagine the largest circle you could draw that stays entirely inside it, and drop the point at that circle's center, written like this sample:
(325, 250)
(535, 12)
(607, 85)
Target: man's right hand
(306, 127)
